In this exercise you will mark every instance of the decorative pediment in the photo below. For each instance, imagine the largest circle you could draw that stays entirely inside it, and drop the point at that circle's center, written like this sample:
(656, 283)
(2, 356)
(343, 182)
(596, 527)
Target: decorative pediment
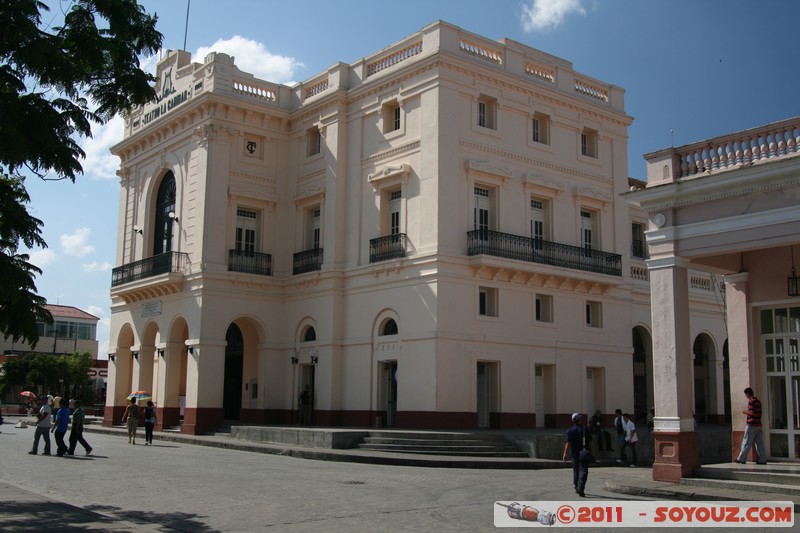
(397, 172)
(535, 180)
(252, 192)
(588, 193)
(485, 167)
(309, 193)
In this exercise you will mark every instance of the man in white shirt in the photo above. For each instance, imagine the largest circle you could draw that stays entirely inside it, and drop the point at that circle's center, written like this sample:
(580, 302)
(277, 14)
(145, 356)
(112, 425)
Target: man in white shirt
(42, 428)
(630, 437)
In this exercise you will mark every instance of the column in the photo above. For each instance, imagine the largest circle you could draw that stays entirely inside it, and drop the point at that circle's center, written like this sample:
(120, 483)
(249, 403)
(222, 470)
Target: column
(119, 379)
(169, 385)
(205, 376)
(676, 448)
(742, 366)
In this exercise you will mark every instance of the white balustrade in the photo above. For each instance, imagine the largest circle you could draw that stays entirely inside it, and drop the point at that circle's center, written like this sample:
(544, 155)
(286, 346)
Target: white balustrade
(254, 91)
(588, 89)
(394, 58)
(540, 72)
(767, 143)
(317, 88)
(480, 51)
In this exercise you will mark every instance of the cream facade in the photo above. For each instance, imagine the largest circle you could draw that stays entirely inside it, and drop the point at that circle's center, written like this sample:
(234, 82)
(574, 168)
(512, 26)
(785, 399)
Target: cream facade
(727, 205)
(431, 237)
(72, 331)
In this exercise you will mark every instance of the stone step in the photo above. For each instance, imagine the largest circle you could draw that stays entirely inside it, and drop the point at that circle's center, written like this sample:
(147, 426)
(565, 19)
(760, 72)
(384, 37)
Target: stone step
(465, 451)
(771, 476)
(434, 435)
(436, 442)
(726, 484)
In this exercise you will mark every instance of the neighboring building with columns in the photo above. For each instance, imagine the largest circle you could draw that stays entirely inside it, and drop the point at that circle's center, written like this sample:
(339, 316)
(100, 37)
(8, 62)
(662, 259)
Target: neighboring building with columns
(731, 205)
(433, 237)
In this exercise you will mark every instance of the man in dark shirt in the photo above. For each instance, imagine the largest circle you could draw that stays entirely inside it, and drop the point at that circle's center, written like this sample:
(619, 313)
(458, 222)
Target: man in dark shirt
(578, 438)
(752, 432)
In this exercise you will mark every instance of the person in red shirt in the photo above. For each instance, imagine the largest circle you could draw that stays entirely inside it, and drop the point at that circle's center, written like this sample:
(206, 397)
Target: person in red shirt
(752, 431)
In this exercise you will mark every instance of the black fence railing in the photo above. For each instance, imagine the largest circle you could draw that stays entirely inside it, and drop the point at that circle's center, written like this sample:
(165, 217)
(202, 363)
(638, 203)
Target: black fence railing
(250, 262)
(307, 261)
(175, 262)
(639, 249)
(388, 247)
(536, 250)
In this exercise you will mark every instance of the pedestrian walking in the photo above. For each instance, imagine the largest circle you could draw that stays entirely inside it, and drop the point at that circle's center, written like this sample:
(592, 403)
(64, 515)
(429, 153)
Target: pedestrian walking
(43, 418)
(752, 430)
(619, 425)
(76, 433)
(631, 438)
(650, 419)
(131, 417)
(577, 440)
(60, 426)
(150, 422)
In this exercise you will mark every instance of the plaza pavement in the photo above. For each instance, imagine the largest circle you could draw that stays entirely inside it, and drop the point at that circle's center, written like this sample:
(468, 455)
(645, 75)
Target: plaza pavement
(176, 485)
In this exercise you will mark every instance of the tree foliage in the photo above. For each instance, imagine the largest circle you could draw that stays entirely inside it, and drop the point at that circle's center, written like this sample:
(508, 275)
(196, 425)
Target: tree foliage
(20, 306)
(48, 75)
(55, 81)
(45, 373)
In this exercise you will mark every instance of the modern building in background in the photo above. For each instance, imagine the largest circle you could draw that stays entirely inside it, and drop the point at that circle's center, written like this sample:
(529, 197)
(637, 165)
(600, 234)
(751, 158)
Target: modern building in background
(72, 331)
(731, 205)
(431, 237)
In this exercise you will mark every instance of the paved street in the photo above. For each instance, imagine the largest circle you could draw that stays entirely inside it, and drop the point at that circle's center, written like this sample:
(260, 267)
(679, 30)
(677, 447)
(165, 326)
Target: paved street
(184, 487)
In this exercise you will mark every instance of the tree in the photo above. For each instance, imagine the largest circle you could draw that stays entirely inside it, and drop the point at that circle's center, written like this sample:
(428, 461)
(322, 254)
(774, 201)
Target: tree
(54, 82)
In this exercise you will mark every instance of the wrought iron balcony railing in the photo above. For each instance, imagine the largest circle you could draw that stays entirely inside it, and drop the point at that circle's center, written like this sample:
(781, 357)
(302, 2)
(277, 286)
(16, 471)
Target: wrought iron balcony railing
(250, 262)
(540, 251)
(388, 247)
(307, 261)
(639, 249)
(170, 262)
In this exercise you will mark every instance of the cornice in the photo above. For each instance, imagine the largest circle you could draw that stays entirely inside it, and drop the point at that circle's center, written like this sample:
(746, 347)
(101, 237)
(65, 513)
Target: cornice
(530, 161)
(392, 152)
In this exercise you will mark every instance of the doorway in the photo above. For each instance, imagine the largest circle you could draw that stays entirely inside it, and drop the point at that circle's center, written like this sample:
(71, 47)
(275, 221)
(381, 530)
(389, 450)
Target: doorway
(487, 392)
(387, 401)
(234, 371)
(308, 379)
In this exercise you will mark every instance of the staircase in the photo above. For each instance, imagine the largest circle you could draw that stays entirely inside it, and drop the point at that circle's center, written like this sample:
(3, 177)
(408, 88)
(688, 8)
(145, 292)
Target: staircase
(440, 443)
(780, 479)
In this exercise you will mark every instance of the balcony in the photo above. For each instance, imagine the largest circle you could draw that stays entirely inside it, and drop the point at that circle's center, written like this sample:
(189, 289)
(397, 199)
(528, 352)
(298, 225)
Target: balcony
(307, 261)
(167, 263)
(388, 247)
(545, 252)
(250, 262)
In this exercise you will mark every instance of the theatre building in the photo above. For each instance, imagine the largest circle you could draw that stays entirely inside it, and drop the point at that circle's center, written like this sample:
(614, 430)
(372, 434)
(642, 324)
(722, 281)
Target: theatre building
(433, 236)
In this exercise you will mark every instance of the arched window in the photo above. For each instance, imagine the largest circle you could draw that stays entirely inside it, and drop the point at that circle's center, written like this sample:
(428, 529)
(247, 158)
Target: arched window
(389, 327)
(165, 204)
(309, 334)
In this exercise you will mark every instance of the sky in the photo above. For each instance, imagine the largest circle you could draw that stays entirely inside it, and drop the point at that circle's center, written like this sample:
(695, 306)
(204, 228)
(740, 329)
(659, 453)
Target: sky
(691, 69)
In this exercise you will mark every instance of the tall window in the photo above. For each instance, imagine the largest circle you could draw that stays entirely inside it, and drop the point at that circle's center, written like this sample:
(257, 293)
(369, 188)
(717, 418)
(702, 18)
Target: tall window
(394, 212)
(540, 230)
(544, 308)
(313, 141)
(588, 230)
(594, 314)
(589, 143)
(246, 226)
(638, 245)
(391, 117)
(482, 210)
(313, 228)
(487, 111)
(540, 127)
(487, 301)
(165, 205)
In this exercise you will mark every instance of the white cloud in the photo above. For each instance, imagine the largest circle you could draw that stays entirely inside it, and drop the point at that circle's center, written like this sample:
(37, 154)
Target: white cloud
(75, 243)
(253, 57)
(548, 14)
(99, 162)
(42, 258)
(94, 266)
